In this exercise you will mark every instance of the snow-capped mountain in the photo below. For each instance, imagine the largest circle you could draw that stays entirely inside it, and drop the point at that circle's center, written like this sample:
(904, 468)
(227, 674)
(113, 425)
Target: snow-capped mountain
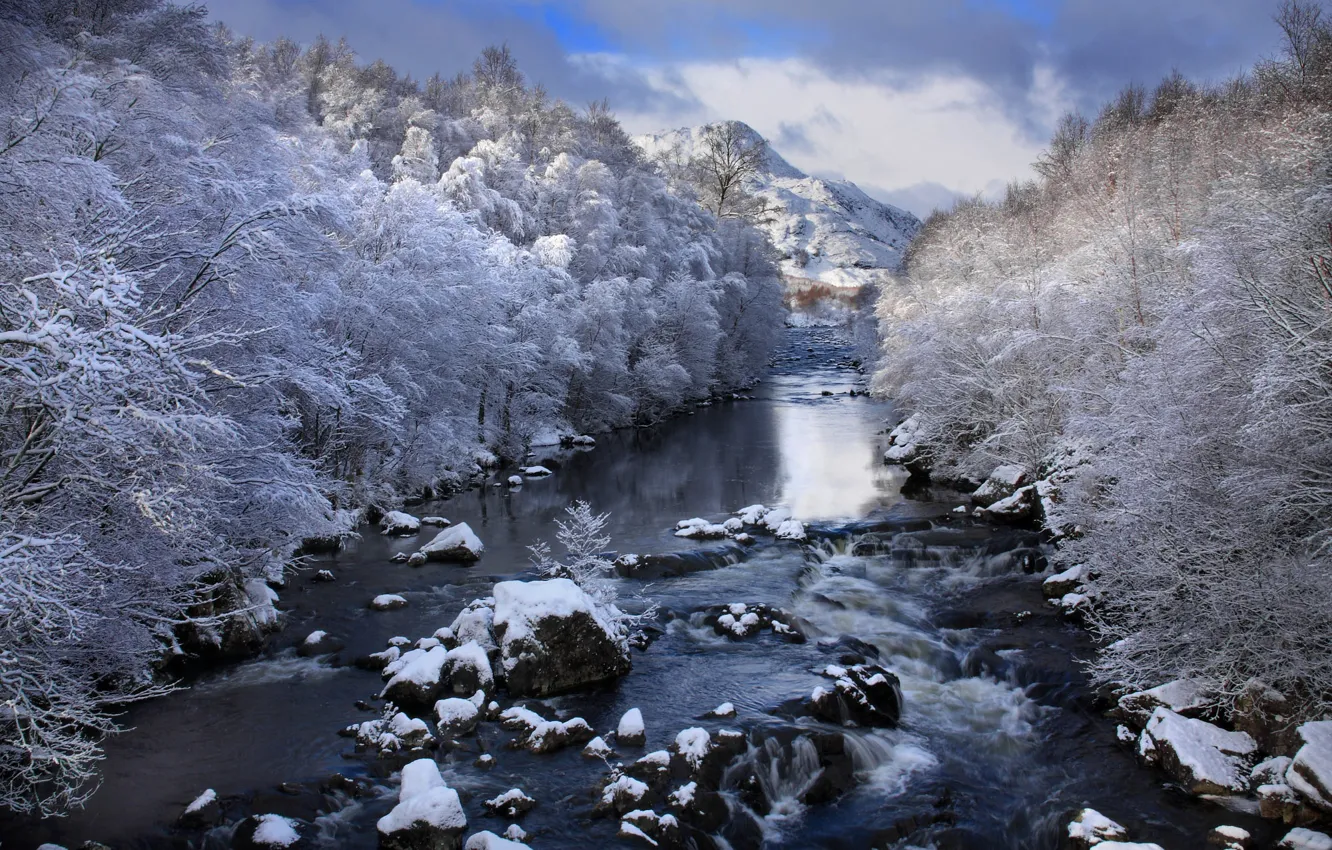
(827, 231)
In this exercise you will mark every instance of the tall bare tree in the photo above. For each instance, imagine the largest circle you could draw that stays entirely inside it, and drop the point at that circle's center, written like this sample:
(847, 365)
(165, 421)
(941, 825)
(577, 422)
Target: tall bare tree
(727, 156)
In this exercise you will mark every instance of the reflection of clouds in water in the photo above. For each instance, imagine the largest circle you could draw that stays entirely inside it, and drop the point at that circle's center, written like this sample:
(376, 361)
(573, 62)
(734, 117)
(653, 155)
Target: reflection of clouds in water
(831, 463)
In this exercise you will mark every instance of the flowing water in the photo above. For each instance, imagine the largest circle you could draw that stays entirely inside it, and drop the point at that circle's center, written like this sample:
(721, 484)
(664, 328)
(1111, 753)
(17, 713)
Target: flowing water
(1000, 738)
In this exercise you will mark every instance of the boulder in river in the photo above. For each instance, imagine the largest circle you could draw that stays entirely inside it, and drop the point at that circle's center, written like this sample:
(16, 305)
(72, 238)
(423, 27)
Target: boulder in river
(428, 816)
(397, 523)
(1182, 696)
(631, 732)
(862, 695)
(511, 804)
(457, 544)
(416, 678)
(203, 812)
(1090, 828)
(1205, 759)
(1305, 839)
(1310, 772)
(1002, 483)
(554, 638)
(455, 716)
(269, 832)
(388, 602)
(487, 840)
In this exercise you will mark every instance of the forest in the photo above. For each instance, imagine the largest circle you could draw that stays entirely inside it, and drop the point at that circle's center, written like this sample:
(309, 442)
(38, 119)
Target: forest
(1150, 322)
(251, 289)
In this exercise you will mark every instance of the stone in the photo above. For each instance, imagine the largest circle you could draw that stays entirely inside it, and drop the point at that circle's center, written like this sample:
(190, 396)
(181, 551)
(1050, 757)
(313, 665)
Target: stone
(1267, 716)
(1181, 696)
(1204, 758)
(862, 695)
(1090, 828)
(554, 638)
(458, 544)
(1310, 772)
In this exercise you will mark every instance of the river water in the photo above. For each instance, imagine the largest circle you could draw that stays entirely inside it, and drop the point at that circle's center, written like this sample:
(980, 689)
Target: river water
(1000, 738)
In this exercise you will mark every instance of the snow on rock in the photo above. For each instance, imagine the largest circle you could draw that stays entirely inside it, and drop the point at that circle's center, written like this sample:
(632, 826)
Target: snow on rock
(1230, 838)
(583, 440)
(490, 841)
(318, 642)
(399, 523)
(700, 529)
(468, 669)
(388, 602)
(428, 813)
(1305, 839)
(684, 795)
(555, 638)
(622, 794)
(1204, 758)
(515, 480)
(752, 515)
(476, 623)
(267, 832)
(774, 518)
(1061, 584)
(417, 559)
(1020, 507)
(651, 827)
(1002, 483)
(1182, 696)
(693, 744)
(203, 812)
(458, 544)
(1310, 773)
(511, 804)
(536, 471)
(739, 620)
(1270, 772)
(1090, 828)
(863, 695)
(631, 732)
(906, 440)
(598, 748)
(515, 833)
(416, 677)
(726, 709)
(792, 529)
(454, 716)
(436, 521)
(324, 576)
(546, 736)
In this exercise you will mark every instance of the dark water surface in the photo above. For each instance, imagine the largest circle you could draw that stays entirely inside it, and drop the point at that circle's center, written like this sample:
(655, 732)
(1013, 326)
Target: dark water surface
(1000, 739)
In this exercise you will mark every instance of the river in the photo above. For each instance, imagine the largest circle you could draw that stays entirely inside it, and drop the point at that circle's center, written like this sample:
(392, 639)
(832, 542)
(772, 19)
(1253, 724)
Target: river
(1000, 737)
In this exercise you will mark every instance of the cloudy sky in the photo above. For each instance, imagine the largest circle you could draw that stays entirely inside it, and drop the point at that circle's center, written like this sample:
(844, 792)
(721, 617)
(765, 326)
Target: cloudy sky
(914, 100)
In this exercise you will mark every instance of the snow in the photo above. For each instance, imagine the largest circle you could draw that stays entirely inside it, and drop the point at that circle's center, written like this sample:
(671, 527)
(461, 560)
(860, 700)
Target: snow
(597, 748)
(515, 480)
(1305, 839)
(424, 798)
(726, 709)
(514, 833)
(475, 623)
(404, 726)
(584, 440)
(1232, 834)
(684, 795)
(624, 786)
(315, 637)
(201, 802)
(628, 830)
(1092, 828)
(454, 712)
(276, 831)
(397, 522)
(459, 537)
(631, 724)
(1207, 753)
(490, 841)
(520, 605)
(657, 758)
(693, 744)
(423, 669)
(387, 602)
(1311, 771)
(792, 529)
(472, 656)
(774, 518)
(752, 515)
(536, 471)
(702, 529)
(437, 521)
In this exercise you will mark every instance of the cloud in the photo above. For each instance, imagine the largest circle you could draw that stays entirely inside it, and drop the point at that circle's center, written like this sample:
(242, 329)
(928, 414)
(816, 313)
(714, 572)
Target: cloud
(945, 129)
(921, 199)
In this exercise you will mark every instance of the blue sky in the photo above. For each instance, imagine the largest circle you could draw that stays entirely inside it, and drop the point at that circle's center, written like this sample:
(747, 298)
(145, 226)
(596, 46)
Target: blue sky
(915, 100)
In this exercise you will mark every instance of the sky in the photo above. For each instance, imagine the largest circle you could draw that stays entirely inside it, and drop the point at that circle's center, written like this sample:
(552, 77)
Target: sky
(916, 101)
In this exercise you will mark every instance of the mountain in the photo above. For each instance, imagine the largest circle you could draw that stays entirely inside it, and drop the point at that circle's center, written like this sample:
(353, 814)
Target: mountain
(827, 231)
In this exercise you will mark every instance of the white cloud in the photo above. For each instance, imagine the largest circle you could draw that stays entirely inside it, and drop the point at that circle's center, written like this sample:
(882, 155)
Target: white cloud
(947, 130)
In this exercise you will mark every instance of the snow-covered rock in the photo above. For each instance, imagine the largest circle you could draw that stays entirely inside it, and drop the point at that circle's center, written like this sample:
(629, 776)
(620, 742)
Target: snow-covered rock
(458, 544)
(267, 832)
(650, 827)
(476, 623)
(1022, 506)
(726, 709)
(752, 515)
(203, 812)
(388, 602)
(554, 638)
(631, 732)
(792, 529)
(1270, 772)
(1002, 483)
(1230, 838)
(396, 523)
(435, 521)
(536, 471)
(905, 442)
(1182, 696)
(488, 840)
(774, 518)
(467, 668)
(515, 833)
(455, 716)
(623, 794)
(546, 736)
(511, 804)
(1204, 758)
(740, 620)
(1300, 838)
(1061, 584)
(1310, 773)
(324, 576)
(515, 481)
(417, 559)
(318, 642)
(417, 677)
(862, 695)
(598, 748)
(1090, 828)
(428, 814)
(1267, 715)
(693, 745)
(584, 441)
(700, 529)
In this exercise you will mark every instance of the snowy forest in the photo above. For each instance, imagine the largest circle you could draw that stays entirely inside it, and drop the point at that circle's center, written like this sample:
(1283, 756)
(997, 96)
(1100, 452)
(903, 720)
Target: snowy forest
(250, 289)
(1150, 323)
